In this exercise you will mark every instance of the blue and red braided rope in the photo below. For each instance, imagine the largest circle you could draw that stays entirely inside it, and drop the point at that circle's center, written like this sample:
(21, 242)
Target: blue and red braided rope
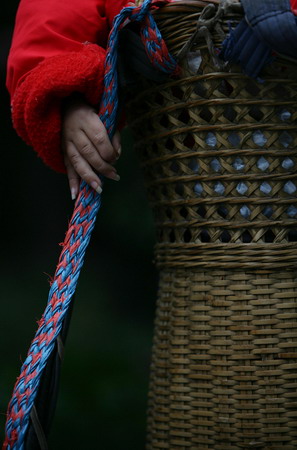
(79, 231)
(155, 48)
(61, 292)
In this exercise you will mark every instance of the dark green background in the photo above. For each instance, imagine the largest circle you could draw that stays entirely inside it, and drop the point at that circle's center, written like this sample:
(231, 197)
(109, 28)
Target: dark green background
(103, 394)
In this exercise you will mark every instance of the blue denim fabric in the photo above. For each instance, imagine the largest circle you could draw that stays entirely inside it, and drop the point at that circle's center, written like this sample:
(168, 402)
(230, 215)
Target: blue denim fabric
(274, 23)
(269, 26)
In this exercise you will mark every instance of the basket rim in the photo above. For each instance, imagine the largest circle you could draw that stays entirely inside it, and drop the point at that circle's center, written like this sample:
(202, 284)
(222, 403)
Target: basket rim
(185, 5)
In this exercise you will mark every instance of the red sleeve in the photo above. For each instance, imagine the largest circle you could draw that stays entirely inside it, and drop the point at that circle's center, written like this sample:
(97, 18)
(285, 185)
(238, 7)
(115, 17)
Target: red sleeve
(57, 49)
(294, 6)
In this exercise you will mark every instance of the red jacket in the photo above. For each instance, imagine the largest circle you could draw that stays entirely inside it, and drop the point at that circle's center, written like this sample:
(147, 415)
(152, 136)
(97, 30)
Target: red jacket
(57, 49)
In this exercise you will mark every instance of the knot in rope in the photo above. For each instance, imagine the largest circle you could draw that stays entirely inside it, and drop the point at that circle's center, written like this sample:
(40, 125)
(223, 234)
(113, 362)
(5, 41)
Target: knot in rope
(79, 231)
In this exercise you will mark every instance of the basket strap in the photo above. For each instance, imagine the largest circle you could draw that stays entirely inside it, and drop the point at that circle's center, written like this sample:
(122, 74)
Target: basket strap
(133, 60)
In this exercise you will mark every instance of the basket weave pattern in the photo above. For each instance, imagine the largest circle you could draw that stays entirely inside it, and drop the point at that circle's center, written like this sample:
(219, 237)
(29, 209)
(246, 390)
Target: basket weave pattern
(224, 361)
(218, 151)
(219, 157)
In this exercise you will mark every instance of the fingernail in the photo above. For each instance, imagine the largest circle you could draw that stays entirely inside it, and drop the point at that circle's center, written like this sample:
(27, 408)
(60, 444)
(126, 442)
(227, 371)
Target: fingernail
(73, 193)
(96, 187)
(115, 177)
(119, 151)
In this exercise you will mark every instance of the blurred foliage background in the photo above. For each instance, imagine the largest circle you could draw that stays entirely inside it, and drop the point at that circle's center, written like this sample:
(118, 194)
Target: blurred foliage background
(104, 382)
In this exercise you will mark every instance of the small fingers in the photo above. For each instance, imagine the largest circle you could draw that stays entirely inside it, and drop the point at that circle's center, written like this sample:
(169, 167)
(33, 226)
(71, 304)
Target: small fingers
(82, 168)
(73, 178)
(87, 148)
(91, 155)
(116, 143)
(97, 134)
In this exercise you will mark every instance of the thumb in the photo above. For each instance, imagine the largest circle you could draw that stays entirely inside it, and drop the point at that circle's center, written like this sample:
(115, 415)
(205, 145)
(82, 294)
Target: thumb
(116, 142)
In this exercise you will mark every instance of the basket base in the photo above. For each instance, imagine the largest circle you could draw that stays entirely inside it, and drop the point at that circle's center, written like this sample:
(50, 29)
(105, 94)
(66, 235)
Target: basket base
(224, 366)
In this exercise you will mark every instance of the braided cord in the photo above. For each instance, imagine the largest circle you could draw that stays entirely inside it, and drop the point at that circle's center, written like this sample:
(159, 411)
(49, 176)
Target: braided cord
(49, 327)
(79, 232)
(155, 48)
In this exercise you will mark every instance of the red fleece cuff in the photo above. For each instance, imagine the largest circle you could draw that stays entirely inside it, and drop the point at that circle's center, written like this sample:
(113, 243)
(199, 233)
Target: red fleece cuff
(36, 105)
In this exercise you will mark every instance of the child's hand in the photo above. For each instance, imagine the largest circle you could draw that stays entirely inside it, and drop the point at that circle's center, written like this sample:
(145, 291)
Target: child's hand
(87, 148)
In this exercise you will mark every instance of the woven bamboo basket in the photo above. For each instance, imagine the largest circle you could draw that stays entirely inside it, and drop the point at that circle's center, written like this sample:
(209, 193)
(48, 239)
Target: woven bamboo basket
(218, 151)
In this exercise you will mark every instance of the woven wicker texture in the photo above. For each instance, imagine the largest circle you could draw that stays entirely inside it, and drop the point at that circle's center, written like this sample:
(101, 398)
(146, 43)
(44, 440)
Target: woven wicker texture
(224, 361)
(218, 152)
